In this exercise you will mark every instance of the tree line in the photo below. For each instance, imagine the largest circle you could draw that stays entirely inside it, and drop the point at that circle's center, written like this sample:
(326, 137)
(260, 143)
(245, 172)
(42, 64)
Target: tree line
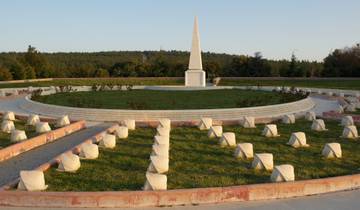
(34, 64)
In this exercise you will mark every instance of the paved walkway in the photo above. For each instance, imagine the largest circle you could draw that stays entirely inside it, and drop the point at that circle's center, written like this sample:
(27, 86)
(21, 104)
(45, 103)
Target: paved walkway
(21, 105)
(9, 169)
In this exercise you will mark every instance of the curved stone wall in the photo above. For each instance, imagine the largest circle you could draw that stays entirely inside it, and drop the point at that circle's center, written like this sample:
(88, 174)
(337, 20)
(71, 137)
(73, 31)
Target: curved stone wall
(271, 111)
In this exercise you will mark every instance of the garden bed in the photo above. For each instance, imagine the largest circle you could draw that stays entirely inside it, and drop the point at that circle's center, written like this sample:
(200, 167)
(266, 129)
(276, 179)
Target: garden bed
(197, 161)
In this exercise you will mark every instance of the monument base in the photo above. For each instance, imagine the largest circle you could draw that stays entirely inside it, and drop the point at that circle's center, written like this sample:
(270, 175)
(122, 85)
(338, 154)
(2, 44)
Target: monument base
(195, 78)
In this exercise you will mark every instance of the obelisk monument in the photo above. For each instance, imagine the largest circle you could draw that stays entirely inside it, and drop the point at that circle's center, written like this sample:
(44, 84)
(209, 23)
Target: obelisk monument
(195, 76)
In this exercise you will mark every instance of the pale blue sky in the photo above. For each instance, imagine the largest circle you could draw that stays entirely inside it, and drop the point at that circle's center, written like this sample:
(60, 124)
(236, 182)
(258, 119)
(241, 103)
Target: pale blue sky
(311, 28)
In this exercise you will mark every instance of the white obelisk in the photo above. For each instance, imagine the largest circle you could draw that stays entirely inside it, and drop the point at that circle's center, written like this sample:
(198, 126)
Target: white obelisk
(195, 76)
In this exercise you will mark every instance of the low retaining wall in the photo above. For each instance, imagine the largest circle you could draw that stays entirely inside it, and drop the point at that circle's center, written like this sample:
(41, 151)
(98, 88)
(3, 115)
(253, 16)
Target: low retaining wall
(18, 148)
(179, 197)
(115, 115)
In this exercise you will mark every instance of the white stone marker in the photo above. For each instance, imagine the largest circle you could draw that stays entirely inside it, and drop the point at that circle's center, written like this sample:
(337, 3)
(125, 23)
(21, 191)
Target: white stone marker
(62, 121)
(89, 151)
(69, 162)
(160, 131)
(228, 139)
(205, 123)
(164, 123)
(2, 93)
(350, 108)
(342, 95)
(42, 127)
(244, 151)
(318, 125)
(158, 164)
(162, 140)
(155, 182)
(9, 116)
(298, 139)
(215, 131)
(32, 181)
(122, 132)
(347, 120)
(7, 126)
(195, 76)
(18, 135)
(160, 150)
(310, 116)
(339, 109)
(247, 122)
(108, 141)
(288, 119)
(270, 130)
(329, 93)
(350, 132)
(332, 150)
(263, 161)
(283, 173)
(33, 119)
(130, 124)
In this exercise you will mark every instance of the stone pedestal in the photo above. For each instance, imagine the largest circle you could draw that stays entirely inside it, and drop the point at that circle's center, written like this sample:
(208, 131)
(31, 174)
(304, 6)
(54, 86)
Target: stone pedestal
(195, 78)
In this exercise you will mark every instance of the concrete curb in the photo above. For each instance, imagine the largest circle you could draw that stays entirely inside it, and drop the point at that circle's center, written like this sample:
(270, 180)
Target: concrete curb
(179, 197)
(18, 148)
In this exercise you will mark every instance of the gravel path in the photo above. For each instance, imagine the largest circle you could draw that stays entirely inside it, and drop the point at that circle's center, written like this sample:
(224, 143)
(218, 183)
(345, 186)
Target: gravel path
(9, 169)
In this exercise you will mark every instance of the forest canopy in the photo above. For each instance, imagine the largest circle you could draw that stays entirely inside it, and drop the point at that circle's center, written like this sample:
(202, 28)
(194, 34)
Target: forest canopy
(34, 64)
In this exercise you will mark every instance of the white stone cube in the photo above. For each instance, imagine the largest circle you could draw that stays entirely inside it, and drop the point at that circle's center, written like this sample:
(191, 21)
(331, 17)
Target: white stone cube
(205, 123)
(350, 132)
(9, 116)
(215, 131)
(7, 126)
(89, 151)
(298, 139)
(228, 139)
(310, 116)
(332, 150)
(130, 124)
(283, 173)
(288, 119)
(122, 132)
(270, 130)
(155, 181)
(42, 127)
(165, 123)
(248, 122)
(32, 181)
(18, 135)
(244, 151)
(33, 119)
(108, 141)
(69, 162)
(263, 161)
(347, 120)
(318, 125)
(62, 121)
(158, 164)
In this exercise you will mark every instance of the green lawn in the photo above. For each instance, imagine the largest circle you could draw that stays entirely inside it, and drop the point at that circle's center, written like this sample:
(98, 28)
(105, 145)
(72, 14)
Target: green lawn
(335, 83)
(197, 161)
(151, 99)
(19, 125)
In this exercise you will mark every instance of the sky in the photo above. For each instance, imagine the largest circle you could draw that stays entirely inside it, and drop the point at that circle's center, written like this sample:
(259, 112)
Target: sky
(276, 28)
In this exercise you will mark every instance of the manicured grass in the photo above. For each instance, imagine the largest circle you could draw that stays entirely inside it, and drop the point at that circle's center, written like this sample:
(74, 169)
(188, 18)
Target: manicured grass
(334, 83)
(19, 125)
(151, 99)
(197, 161)
(121, 168)
(99, 81)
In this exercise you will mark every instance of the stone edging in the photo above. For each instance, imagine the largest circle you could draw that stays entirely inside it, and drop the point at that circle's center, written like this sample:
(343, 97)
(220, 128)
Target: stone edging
(112, 115)
(195, 196)
(23, 146)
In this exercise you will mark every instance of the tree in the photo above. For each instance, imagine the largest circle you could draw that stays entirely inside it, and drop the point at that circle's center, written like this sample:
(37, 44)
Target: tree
(38, 62)
(5, 74)
(101, 73)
